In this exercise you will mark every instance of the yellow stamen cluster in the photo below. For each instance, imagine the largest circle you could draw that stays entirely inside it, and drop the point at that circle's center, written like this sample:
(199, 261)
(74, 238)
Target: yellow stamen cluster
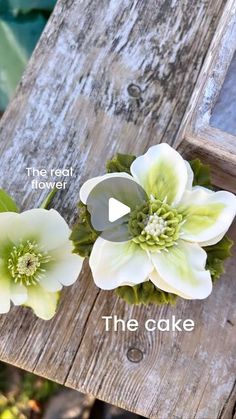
(26, 263)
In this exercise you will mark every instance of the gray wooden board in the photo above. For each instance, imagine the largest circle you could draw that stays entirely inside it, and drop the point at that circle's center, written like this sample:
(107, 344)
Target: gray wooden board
(224, 112)
(75, 107)
(213, 142)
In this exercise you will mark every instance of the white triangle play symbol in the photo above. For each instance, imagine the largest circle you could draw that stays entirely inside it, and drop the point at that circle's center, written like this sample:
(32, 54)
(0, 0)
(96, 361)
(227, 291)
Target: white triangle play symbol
(116, 210)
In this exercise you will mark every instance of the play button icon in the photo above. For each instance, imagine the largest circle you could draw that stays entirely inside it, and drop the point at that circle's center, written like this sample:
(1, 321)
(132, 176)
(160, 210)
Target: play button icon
(110, 203)
(116, 209)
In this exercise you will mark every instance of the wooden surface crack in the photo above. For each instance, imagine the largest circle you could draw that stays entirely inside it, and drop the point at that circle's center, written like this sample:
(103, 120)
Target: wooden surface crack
(229, 408)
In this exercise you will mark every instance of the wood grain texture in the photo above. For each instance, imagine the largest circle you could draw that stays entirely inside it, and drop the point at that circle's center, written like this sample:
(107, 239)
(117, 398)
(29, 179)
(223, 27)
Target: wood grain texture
(112, 76)
(213, 145)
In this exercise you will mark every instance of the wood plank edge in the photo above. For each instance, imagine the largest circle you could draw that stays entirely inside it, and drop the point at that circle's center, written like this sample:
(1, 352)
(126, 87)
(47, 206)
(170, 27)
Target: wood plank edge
(222, 161)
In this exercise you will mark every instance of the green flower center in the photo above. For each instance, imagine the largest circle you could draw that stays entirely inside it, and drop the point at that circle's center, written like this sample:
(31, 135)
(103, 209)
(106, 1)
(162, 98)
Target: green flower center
(27, 263)
(155, 225)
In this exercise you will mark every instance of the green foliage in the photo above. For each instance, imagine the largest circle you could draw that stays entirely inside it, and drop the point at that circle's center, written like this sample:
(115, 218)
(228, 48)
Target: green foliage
(18, 38)
(21, 24)
(25, 6)
(202, 175)
(217, 255)
(26, 398)
(83, 235)
(36, 388)
(120, 163)
(145, 293)
(7, 203)
(47, 201)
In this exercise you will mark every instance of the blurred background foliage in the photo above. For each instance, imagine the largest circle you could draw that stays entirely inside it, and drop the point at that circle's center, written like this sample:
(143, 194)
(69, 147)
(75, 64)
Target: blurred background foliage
(21, 24)
(23, 395)
(27, 396)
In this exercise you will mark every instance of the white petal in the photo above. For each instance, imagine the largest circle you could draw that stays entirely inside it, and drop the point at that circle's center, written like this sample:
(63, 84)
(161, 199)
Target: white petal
(50, 283)
(190, 175)
(18, 294)
(183, 268)
(65, 269)
(87, 187)
(6, 219)
(207, 214)
(214, 240)
(47, 228)
(116, 264)
(162, 172)
(5, 303)
(43, 303)
(164, 286)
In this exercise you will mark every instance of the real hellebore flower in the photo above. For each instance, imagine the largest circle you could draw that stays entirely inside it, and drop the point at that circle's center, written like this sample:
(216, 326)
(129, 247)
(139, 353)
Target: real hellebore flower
(36, 260)
(167, 232)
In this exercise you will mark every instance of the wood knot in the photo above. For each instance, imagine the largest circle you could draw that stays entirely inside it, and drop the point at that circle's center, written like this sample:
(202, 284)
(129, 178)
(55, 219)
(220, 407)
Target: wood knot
(134, 355)
(134, 90)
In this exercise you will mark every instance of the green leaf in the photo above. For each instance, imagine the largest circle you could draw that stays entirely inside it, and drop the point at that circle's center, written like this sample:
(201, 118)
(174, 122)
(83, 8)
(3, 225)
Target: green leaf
(7, 203)
(145, 293)
(128, 294)
(202, 176)
(15, 6)
(217, 255)
(83, 234)
(45, 204)
(120, 163)
(18, 36)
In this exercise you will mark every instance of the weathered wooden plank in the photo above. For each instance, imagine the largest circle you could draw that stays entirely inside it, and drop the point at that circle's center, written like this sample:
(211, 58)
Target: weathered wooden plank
(229, 408)
(216, 149)
(213, 145)
(223, 112)
(114, 75)
(182, 375)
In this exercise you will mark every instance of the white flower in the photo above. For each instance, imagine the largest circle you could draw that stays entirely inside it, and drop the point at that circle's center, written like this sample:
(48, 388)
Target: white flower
(36, 260)
(168, 231)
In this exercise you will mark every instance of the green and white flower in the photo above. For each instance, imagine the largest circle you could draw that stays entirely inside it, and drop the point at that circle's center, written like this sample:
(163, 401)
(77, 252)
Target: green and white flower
(36, 260)
(168, 231)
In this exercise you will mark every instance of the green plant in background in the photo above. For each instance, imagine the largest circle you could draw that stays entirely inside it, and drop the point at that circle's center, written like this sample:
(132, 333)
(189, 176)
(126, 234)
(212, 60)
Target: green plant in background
(23, 395)
(21, 24)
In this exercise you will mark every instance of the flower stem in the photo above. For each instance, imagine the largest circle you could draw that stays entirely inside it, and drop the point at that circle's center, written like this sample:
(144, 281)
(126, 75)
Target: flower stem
(45, 204)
